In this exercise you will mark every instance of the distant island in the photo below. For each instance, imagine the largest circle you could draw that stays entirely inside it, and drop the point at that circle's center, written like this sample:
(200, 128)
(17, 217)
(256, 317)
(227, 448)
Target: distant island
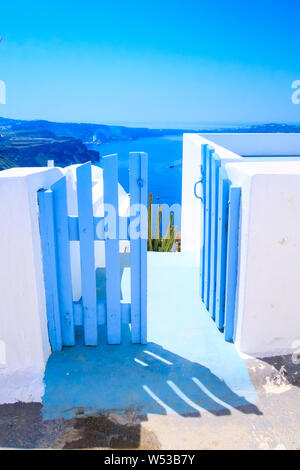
(33, 143)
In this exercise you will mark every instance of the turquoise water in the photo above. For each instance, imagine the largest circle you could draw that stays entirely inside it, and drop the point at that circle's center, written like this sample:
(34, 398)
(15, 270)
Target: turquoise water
(165, 164)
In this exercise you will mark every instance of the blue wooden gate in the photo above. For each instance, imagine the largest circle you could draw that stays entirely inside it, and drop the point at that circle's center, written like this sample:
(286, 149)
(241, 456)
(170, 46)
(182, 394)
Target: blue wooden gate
(219, 253)
(58, 229)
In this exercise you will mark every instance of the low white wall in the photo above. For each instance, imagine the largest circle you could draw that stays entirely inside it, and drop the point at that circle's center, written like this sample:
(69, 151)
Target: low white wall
(257, 143)
(23, 323)
(268, 300)
(192, 207)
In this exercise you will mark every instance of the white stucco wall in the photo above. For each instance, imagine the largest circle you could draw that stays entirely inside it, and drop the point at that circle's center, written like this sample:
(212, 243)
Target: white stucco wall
(268, 301)
(257, 143)
(23, 324)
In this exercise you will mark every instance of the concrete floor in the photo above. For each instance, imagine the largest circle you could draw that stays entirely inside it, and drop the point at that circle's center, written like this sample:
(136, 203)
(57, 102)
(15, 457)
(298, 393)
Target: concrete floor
(187, 389)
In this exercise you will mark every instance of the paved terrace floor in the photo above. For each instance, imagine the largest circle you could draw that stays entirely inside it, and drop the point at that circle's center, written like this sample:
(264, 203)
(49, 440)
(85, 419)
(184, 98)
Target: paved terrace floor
(187, 388)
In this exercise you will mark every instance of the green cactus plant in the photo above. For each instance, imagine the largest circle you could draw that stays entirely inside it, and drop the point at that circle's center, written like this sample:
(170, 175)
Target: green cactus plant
(159, 242)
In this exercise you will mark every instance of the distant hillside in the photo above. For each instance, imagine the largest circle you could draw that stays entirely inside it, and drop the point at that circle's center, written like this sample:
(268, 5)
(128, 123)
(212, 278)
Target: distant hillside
(101, 133)
(263, 128)
(33, 143)
(87, 133)
(36, 148)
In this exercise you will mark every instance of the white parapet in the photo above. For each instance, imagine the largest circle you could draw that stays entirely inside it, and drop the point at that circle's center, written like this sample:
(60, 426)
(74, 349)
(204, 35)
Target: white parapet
(24, 344)
(268, 301)
(252, 143)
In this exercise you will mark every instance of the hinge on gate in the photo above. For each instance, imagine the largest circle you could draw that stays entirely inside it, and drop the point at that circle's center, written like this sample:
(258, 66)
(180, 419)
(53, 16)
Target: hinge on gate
(140, 182)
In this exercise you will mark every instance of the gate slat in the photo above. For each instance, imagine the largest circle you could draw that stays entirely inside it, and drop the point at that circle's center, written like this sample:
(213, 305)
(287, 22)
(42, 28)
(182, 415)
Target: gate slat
(63, 261)
(87, 253)
(112, 256)
(232, 260)
(207, 226)
(138, 164)
(222, 246)
(215, 166)
(202, 250)
(46, 213)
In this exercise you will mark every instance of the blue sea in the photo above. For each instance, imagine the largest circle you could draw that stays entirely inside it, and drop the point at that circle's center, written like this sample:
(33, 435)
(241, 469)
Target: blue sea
(165, 164)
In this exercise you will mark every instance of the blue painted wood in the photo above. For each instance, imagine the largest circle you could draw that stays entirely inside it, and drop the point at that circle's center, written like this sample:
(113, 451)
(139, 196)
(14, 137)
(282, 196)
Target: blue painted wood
(65, 293)
(232, 260)
(222, 247)
(73, 228)
(47, 231)
(216, 163)
(123, 228)
(101, 312)
(207, 226)
(78, 313)
(138, 182)
(202, 249)
(112, 257)
(125, 312)
(87, 253)
(99, 232)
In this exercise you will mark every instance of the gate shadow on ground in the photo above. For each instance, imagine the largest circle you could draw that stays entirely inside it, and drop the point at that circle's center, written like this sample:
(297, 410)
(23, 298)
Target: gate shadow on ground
(137, 379)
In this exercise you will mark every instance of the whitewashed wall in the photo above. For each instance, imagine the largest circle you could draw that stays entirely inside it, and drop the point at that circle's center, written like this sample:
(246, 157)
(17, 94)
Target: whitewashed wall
(24, 344)
(257, 143)
(268, 303)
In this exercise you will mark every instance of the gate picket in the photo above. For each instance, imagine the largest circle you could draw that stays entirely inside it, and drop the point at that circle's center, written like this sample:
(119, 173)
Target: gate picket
(112, 256)
(87, 253)
(138, 184)
(65, 293)
(215, 166)
(222, 247)
(207, 225)
(202, 249)
(232, 260)
(47, 231)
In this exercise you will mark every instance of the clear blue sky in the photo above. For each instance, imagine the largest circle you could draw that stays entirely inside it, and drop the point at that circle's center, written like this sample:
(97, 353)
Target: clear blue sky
(154, 60)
